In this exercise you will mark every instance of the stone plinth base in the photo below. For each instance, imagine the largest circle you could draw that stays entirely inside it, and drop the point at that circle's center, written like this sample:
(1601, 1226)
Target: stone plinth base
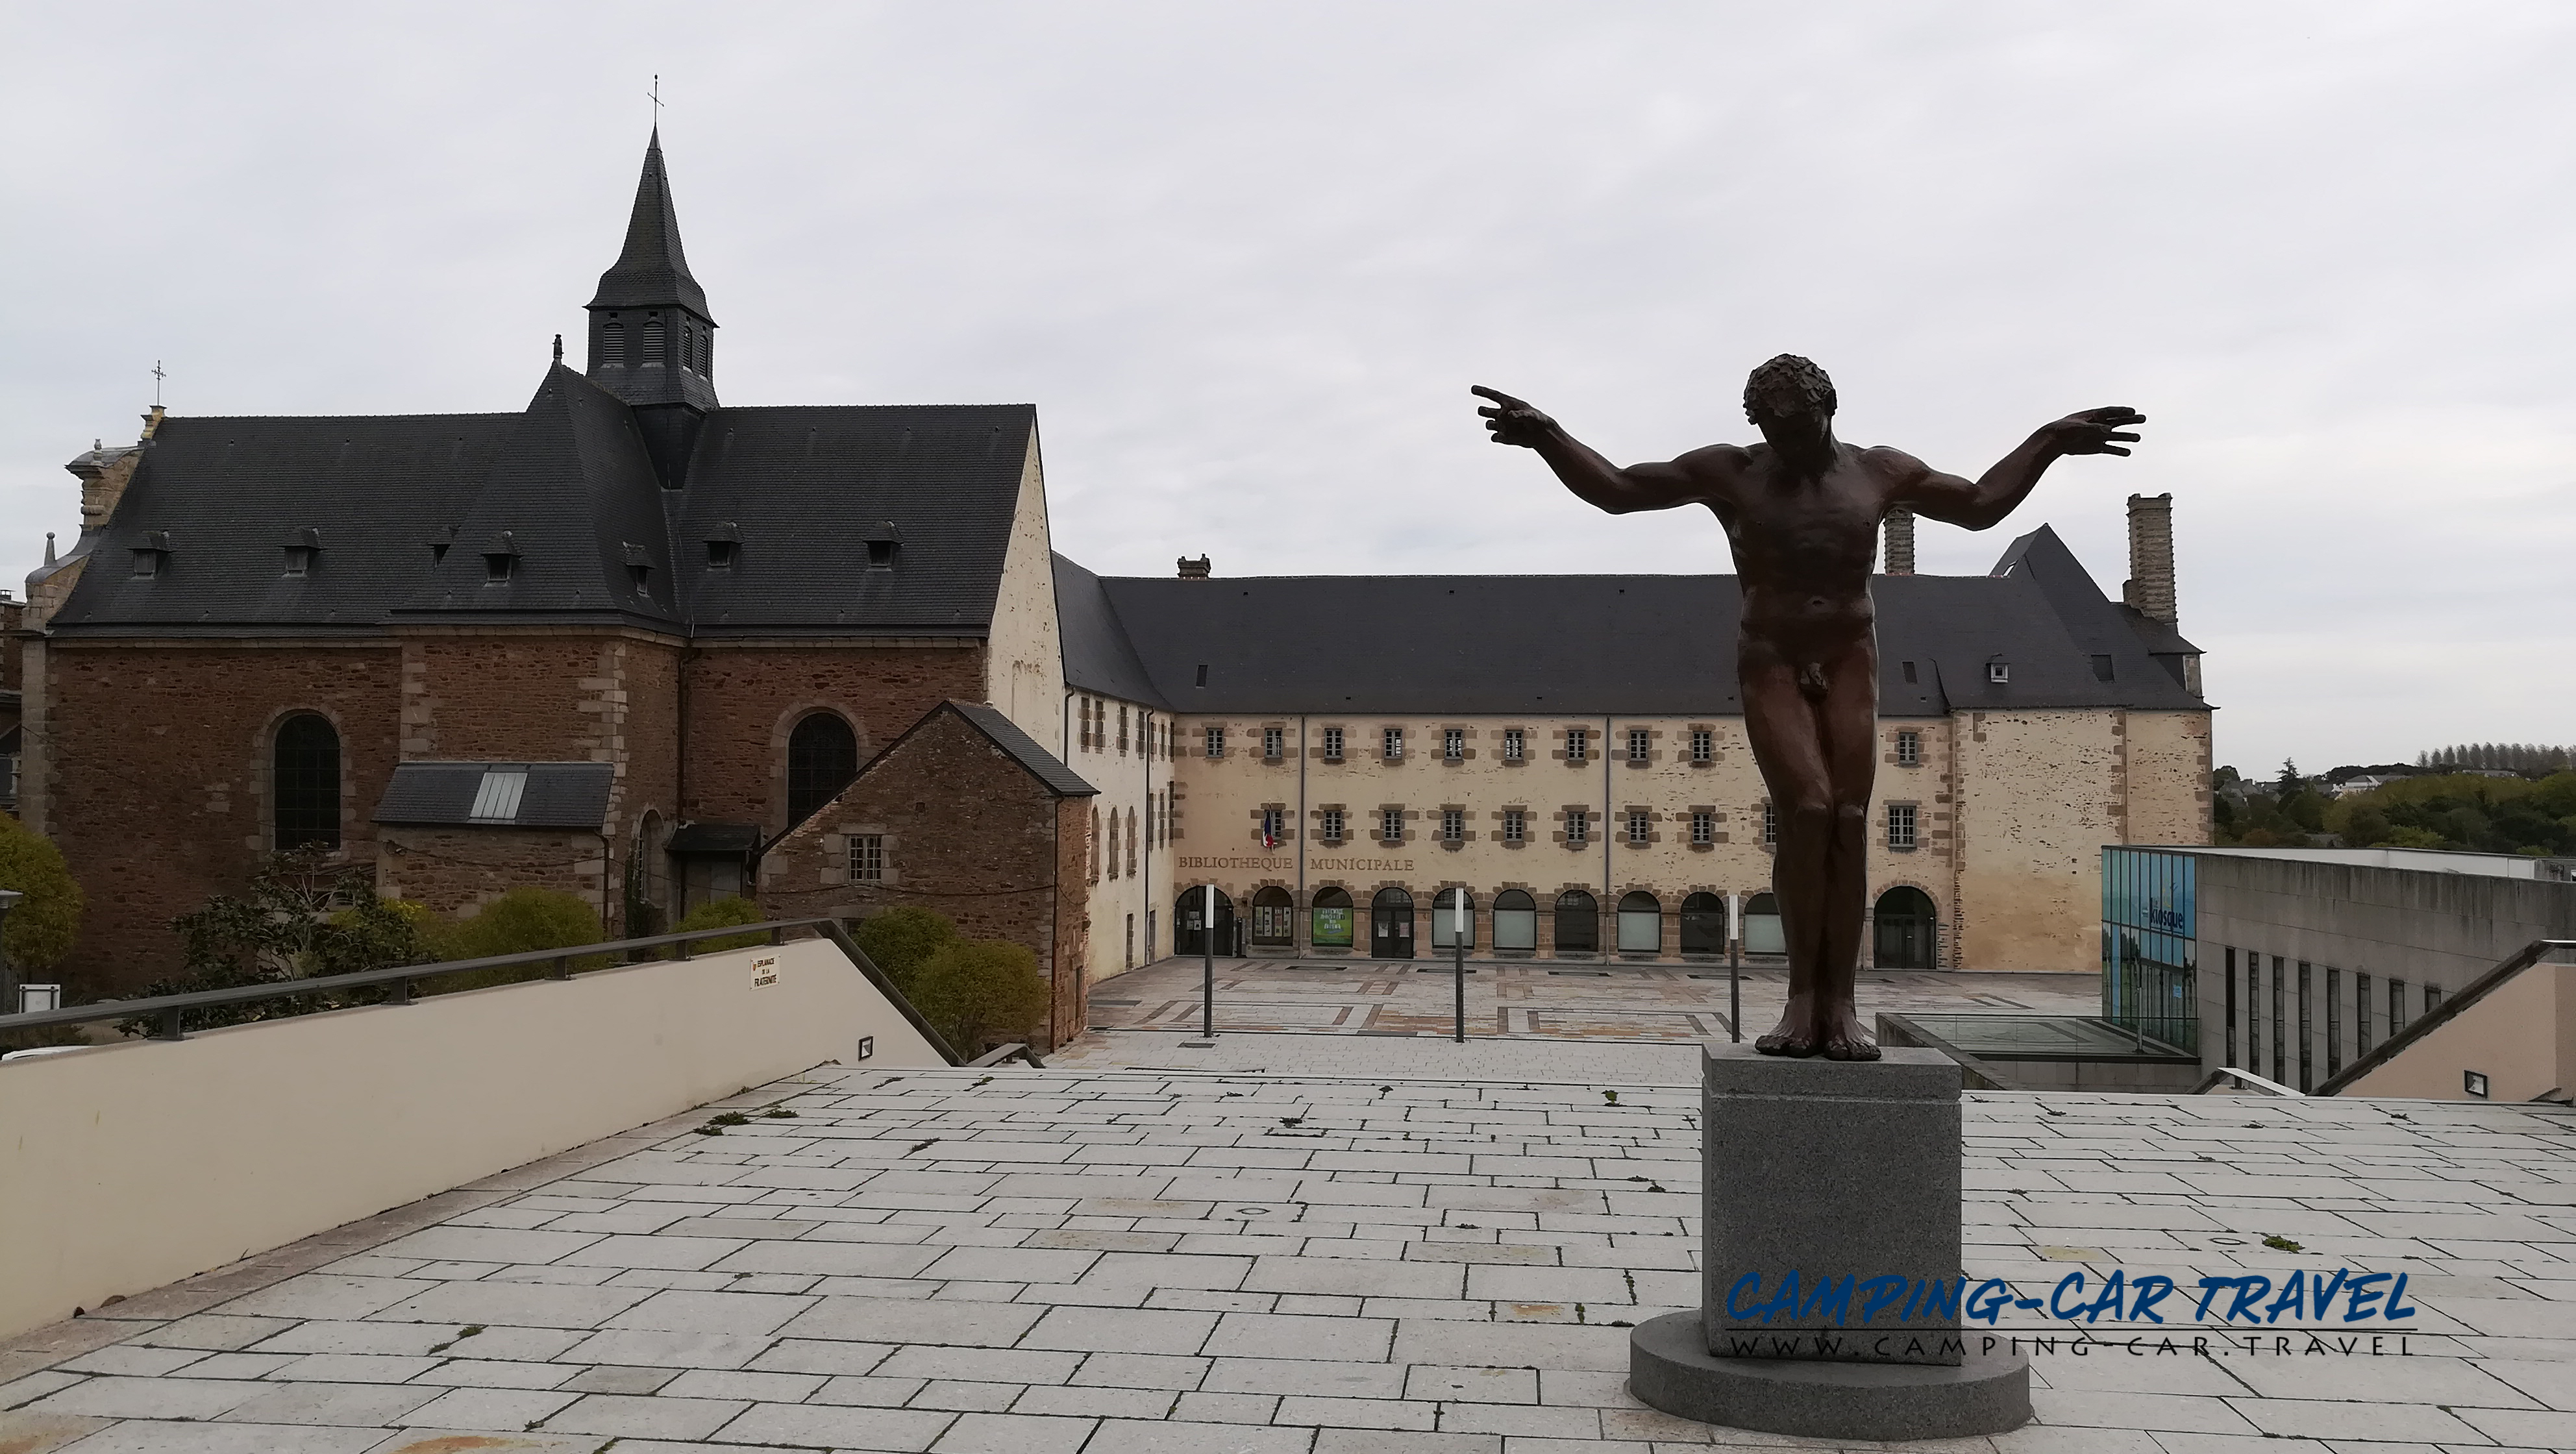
(1670, 1368)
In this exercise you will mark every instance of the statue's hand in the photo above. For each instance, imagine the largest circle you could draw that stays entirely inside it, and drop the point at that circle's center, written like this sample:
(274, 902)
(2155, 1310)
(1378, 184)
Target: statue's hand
(2092, 431)
(1513, 421)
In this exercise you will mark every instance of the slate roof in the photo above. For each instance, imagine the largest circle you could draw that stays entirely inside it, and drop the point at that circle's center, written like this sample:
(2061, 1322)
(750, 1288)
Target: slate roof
(1042, 764)
(651, 271)
(558, 794)
(1589, 645)
(570, 481)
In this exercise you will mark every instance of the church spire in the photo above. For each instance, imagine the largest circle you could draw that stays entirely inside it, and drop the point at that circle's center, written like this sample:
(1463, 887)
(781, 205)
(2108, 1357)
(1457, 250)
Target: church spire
(651, 338)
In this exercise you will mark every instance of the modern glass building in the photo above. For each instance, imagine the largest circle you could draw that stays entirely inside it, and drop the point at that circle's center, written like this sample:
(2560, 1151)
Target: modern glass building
(2151, 944)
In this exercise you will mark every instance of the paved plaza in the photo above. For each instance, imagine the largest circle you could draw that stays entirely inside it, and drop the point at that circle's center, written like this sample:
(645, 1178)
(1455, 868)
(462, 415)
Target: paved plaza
(1118, 1261)
(1604, 1000)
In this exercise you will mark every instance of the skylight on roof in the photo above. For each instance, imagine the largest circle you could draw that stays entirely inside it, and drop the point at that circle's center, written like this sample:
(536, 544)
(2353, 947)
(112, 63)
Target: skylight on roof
(497, 799)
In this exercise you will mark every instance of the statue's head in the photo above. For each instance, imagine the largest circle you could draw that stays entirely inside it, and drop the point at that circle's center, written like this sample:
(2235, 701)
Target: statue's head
(1790, 399)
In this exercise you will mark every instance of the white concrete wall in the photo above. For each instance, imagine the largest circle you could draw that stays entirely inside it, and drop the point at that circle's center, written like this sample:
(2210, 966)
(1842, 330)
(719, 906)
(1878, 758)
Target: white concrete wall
(128, 1166)
(2522, 1037)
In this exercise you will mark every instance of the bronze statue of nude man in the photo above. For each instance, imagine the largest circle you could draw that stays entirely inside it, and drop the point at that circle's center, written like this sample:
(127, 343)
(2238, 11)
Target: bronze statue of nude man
(1802, 511)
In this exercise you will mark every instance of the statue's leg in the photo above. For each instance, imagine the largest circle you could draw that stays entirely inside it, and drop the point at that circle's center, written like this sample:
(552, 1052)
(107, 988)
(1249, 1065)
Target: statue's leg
(1850, 720)
(1789, 748)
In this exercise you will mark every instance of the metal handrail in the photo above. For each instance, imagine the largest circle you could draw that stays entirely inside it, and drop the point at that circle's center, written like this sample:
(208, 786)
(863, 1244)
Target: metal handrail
(2274, 1087)
(2447, 1011)
(169, 1011)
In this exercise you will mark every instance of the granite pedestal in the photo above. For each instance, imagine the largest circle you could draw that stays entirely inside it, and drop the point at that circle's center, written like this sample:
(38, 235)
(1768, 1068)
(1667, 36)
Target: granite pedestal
(1831, 1247)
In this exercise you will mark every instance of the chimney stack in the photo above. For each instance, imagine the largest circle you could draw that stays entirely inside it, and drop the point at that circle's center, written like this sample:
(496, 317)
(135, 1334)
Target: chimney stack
(1900, 542)
(1194, 570)
(2150, 587)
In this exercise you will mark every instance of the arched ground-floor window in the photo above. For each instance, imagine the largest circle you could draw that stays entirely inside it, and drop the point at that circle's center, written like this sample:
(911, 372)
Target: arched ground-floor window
(1641, 924)
(1391, 925)
(1578, 922)
(1762, 931)
(1907, 930)
(1515, 920)
(1331, 919)
(1703, 924)
(1444, 919)
(1274, 919)
(304, 783)
(1190, 926)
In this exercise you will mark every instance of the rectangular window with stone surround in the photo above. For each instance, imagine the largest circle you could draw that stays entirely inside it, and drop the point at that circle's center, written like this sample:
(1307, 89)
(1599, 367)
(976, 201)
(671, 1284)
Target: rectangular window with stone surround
(1274, 742)
(1332, 744)
(1515, 825)
(1216, 742)
(1453, 744)
(1770, 824)
(1393, 741)
(1900, 826)
(1703, 745)
(1639, 830)
(1578, 744)
(1640, 744)
(1332, 825)
(1703, 827)
(867, 858)
(1453, 825)
(1578, 825)
(1390, 825)
(1515, 744)
(1274, 825)
(1909, 749)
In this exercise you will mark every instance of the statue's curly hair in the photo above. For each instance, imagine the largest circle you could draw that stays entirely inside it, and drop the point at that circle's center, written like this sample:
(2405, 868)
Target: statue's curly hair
(1789, 374)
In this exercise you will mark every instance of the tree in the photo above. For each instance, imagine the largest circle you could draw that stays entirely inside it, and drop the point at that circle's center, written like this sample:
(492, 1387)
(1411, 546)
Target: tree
(980, 991)
(715, 914)
(41, 929)
(302, 916)
(902, 939)
(2290, 784)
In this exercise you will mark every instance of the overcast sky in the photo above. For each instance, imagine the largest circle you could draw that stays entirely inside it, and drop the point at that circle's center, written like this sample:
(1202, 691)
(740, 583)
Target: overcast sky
(1247, 260)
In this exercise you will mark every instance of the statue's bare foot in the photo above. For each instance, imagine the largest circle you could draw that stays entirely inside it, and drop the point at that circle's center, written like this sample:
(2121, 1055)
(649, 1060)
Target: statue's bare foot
(1795, 1035)
(1842, 1038)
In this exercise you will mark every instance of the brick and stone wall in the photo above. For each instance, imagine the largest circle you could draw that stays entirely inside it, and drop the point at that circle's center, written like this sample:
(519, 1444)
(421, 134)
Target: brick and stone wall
(965, 831)
(743, 700)
(159, 760)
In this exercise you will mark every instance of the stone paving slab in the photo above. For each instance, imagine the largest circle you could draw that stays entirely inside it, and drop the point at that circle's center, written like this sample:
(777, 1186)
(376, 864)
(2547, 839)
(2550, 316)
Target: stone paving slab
(1120, 1261)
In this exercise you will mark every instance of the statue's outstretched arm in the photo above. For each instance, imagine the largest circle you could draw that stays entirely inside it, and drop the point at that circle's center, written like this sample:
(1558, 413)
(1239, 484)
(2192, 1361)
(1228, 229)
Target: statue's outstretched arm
(1605, 485)
(1984, 502)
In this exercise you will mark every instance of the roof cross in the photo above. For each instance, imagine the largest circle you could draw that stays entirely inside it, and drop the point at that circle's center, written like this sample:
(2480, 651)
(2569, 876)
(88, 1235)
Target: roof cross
(656, 94)
(157, 377)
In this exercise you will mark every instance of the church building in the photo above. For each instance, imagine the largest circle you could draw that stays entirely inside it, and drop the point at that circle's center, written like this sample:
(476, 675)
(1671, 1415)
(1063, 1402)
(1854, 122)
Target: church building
(654, 649)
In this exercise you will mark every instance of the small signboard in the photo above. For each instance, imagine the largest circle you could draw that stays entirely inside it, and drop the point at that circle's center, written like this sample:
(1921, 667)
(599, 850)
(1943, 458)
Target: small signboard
(764, 971)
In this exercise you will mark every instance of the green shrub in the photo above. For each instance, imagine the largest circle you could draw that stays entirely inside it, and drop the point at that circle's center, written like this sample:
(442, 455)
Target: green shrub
(520, 921)
(980, 992)
(901, 940)
(41, 928)
(716, 914)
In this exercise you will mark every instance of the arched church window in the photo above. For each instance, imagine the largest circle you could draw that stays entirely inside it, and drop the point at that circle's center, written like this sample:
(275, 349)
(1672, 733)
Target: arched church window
(822, 757)
(304, 783)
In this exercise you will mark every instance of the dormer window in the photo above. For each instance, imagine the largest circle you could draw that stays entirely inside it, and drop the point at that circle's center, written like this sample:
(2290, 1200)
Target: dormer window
(1999, 671)
(500, 560)
(152, 557)
(883, 541)
(639, 567)
(301, 547)
(724, 547)
(438, 544)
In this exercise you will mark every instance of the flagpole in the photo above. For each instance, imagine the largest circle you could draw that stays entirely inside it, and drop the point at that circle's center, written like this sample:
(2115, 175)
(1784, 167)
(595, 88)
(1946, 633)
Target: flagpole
(1207, 981)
